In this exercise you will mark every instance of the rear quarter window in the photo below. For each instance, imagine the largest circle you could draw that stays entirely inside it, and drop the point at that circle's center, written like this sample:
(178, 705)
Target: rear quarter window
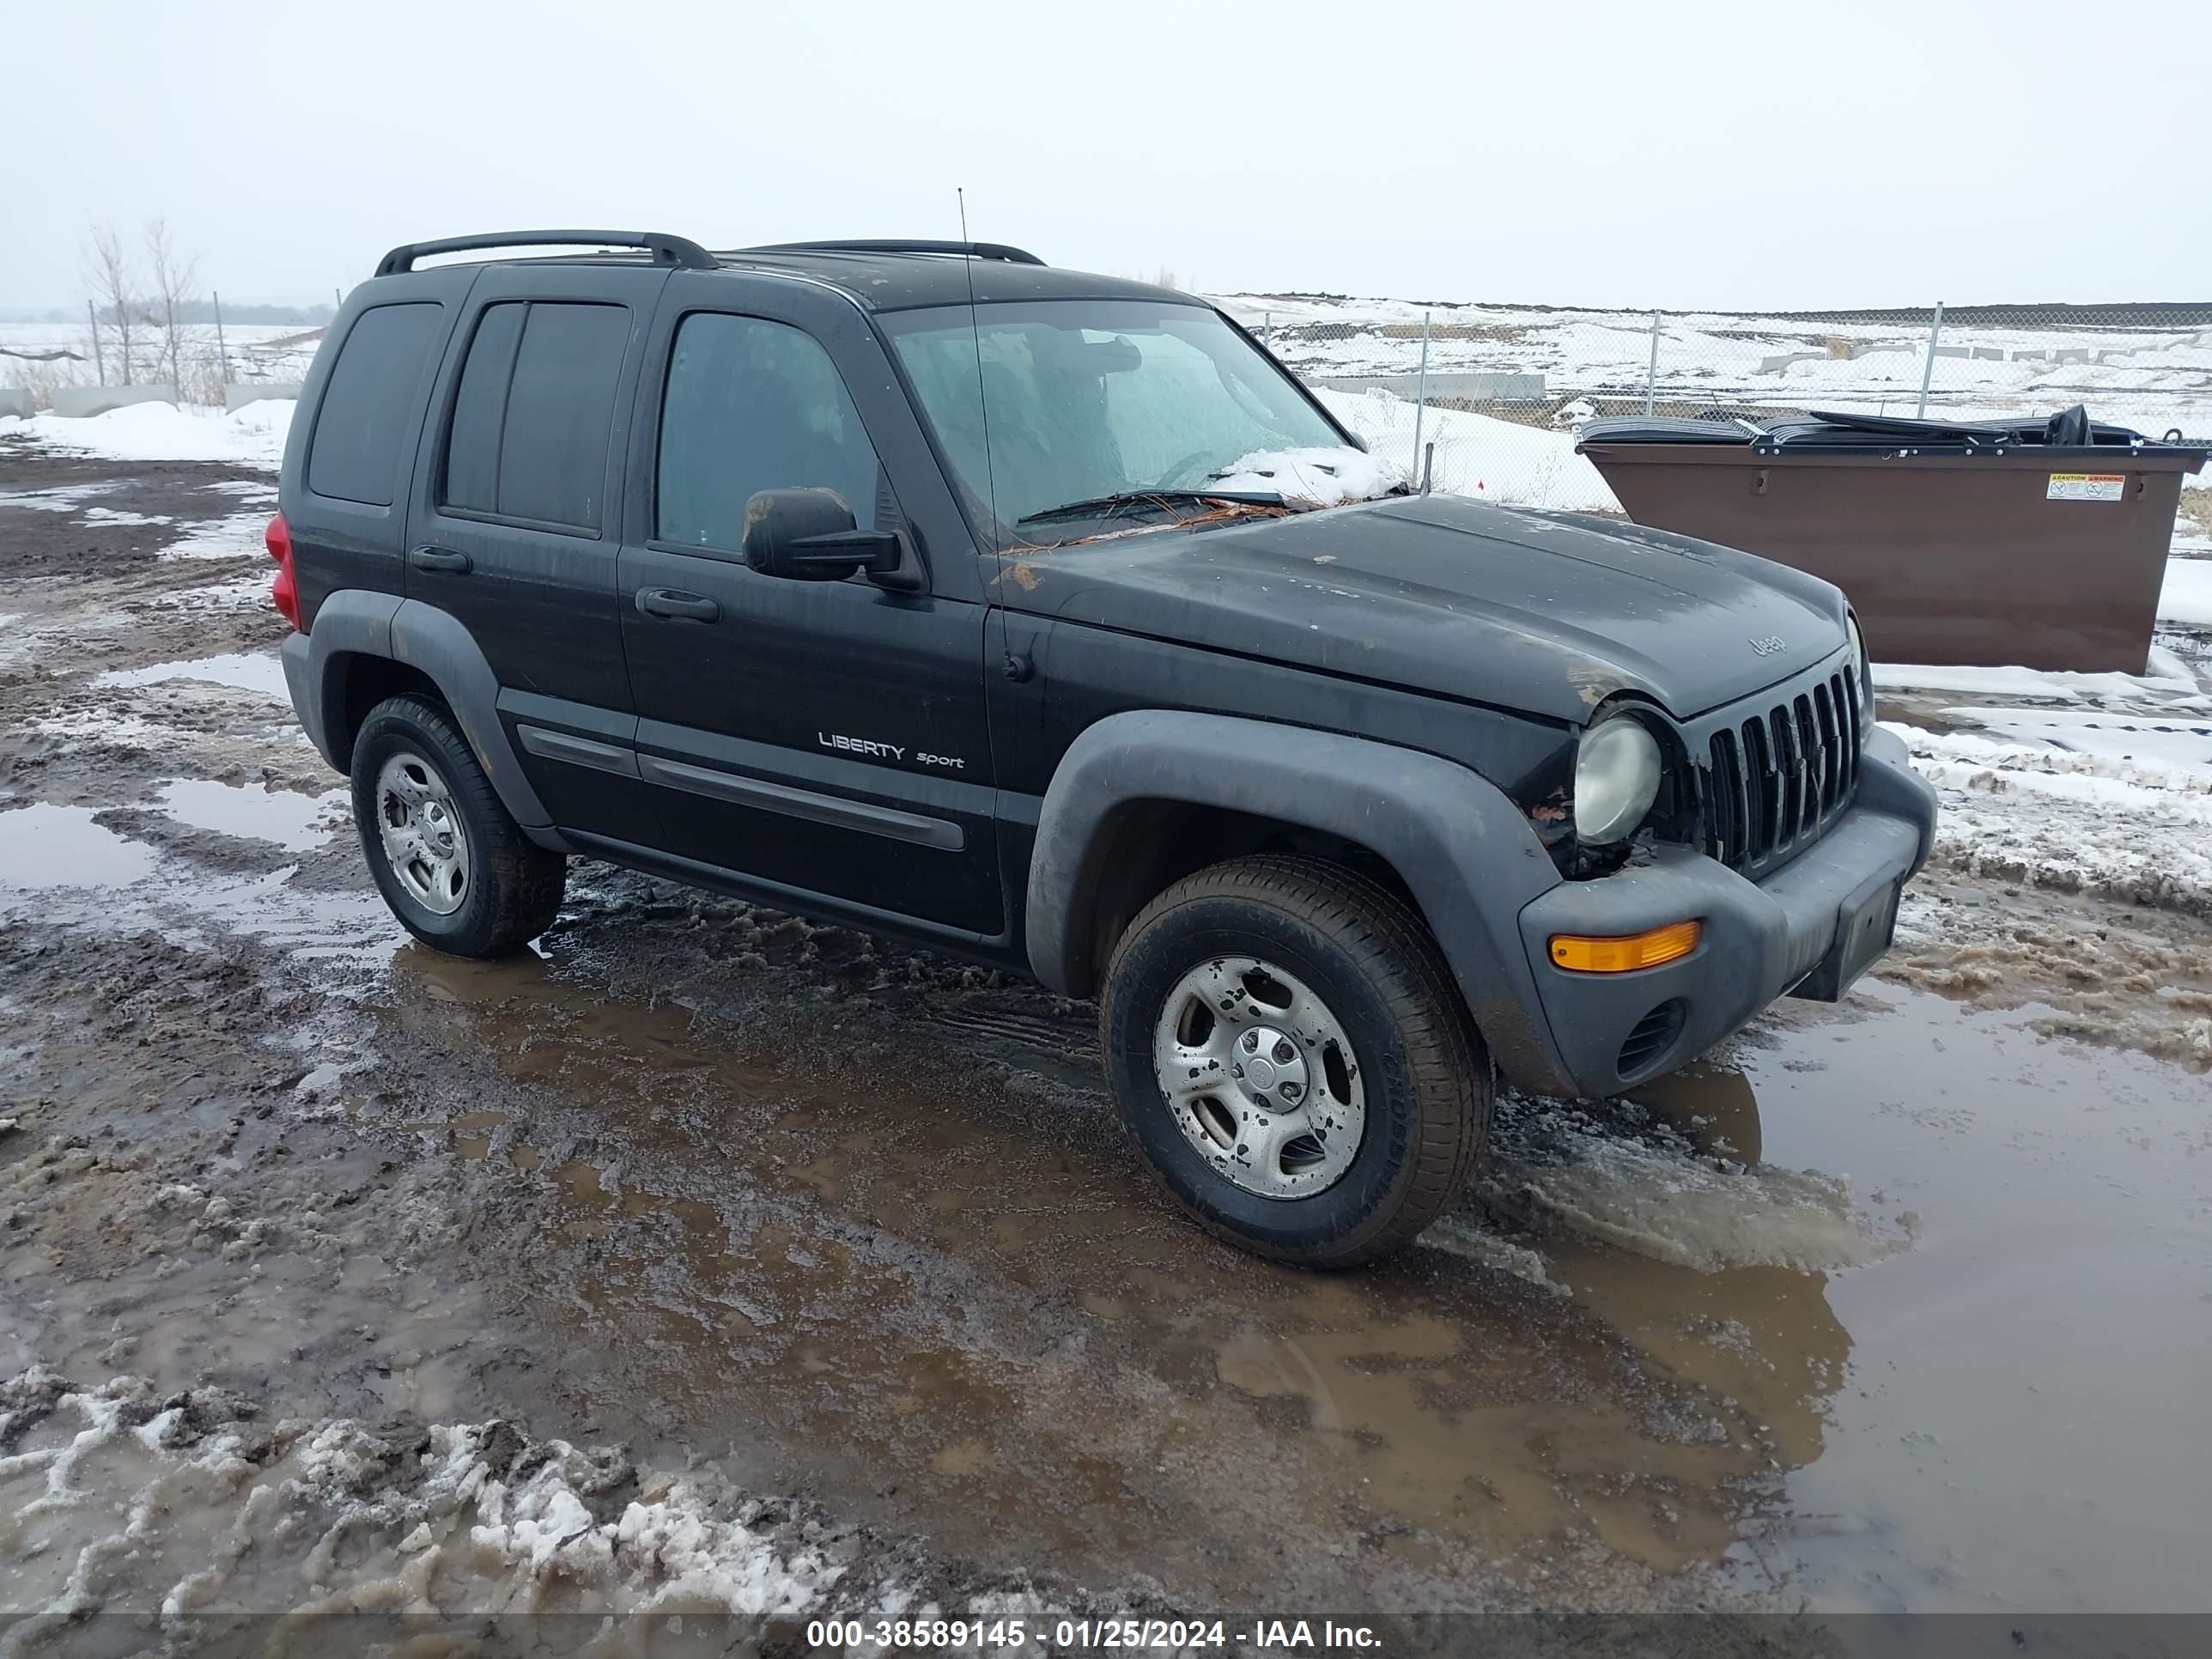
(366, 420)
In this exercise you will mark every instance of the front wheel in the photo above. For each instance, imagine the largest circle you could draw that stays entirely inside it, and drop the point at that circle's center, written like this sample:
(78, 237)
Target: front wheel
(1285, 1041)
(448, 857)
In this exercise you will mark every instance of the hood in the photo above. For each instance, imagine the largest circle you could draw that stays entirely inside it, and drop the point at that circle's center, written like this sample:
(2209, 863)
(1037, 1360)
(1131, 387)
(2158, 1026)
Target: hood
(1549, 613)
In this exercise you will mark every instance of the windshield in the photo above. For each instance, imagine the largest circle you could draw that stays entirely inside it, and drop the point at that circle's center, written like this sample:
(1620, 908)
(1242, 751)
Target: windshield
(1089, 399)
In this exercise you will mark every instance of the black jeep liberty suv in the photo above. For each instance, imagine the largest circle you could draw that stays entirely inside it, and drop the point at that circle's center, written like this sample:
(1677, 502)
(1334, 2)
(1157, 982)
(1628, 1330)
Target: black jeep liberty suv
(1044, 619)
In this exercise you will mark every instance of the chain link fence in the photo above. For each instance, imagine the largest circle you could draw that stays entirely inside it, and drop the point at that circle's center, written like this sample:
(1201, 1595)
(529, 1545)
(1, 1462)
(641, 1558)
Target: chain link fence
(1499, 390)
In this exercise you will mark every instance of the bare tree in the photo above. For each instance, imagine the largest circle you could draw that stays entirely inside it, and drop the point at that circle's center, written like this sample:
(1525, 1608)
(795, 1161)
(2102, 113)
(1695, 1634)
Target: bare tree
(115, 287)
(172, 273)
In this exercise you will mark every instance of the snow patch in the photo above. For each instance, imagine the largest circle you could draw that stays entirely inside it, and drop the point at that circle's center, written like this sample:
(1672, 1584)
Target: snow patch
(1477, 455)
(251, 436)
(1312, 478)
(2186, 596)
(2166, 675)
(237, 537)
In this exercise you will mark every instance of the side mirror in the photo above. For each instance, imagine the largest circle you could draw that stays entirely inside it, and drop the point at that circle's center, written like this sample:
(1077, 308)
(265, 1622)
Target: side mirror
(809, 536)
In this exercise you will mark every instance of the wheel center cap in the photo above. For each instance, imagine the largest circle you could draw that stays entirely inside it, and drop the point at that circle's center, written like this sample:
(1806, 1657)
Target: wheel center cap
(1271, 1069)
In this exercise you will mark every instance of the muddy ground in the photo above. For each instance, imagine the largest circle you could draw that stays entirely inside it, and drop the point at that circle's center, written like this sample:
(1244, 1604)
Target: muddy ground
(708, 1259)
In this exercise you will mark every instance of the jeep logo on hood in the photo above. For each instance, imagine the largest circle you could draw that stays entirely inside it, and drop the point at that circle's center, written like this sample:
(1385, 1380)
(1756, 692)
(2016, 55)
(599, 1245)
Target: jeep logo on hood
(1767, 645)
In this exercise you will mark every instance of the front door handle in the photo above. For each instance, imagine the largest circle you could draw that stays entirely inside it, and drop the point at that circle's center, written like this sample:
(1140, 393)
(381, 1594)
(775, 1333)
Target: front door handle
(667, 602)
(440, 558)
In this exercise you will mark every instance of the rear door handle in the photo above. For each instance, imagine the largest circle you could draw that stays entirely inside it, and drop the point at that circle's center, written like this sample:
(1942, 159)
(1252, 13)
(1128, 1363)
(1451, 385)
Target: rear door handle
(440, 558)
(668, 602)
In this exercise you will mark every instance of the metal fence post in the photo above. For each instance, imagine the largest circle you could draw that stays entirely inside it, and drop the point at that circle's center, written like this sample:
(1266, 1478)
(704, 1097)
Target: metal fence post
(1421, 390)
(99, 357)
(1928, 372)
(222, 349)
(1651, 370)
(1268, 330)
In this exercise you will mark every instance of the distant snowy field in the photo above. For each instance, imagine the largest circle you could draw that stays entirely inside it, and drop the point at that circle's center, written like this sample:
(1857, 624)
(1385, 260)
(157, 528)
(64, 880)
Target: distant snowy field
(274, 352)
(2152, 379)
(2155, 380)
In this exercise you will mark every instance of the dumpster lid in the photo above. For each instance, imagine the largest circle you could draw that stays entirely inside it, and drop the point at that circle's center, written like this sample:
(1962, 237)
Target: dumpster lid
(2071, 433)
(1667, 430)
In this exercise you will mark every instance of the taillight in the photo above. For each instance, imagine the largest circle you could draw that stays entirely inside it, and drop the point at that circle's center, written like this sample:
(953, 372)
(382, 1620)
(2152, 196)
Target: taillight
(284, 590)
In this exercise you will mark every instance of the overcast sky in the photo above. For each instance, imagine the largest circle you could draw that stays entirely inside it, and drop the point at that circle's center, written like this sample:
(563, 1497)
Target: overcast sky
(1662, 152)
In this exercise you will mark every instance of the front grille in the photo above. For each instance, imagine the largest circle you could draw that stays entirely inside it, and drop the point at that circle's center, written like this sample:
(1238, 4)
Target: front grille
(1772, 779)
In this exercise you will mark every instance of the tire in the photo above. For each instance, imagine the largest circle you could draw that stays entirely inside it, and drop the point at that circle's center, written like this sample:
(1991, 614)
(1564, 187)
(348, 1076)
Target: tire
(1345, 965)
(457, 869)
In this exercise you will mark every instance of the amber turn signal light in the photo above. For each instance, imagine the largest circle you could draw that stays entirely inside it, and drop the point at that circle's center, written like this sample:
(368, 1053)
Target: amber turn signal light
(1626, 954)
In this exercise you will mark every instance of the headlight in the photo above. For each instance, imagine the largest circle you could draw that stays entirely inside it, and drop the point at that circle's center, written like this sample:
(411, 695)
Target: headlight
(1616, 779)
(1863, 665)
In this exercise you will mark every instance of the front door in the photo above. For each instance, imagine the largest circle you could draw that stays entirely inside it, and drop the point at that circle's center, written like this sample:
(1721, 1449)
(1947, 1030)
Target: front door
(518, 515)
(827, 739)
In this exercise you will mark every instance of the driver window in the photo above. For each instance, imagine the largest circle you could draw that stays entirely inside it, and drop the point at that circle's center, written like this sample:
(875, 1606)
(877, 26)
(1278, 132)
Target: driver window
(753, 405)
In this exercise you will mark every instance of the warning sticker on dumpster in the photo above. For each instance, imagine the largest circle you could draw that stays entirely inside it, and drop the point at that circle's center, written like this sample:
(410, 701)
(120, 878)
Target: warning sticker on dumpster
(2085, 487)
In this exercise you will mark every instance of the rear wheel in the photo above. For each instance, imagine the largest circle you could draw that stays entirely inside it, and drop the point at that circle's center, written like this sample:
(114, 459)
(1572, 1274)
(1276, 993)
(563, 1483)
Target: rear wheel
(446, 855)
(1285, 1041)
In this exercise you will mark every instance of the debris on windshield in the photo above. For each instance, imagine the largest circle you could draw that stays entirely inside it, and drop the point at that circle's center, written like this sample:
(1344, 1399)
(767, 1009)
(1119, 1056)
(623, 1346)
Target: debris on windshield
(1311, 478)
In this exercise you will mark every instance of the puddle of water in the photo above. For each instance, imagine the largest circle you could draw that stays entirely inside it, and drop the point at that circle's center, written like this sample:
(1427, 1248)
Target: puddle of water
(297, 822)
(241, 670)
(769, 1240)
(58, 866)
(2004, 1416)
(43, 846)
(2020, 1421)
(118, 516)
(69, 498)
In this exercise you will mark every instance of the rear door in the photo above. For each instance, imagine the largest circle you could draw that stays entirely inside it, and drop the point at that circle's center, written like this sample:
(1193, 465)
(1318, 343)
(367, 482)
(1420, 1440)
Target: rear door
(828, 741)
(518, 505)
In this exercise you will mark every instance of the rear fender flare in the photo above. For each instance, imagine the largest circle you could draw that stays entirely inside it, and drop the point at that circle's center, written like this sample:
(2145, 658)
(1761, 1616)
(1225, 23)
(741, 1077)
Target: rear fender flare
(358, 622)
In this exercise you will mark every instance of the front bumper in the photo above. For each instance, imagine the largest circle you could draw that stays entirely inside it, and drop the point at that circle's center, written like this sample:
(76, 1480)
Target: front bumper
(1808, 929)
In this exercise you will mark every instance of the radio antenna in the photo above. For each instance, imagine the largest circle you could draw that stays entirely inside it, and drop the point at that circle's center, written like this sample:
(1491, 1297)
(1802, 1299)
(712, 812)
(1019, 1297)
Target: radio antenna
(975, 333)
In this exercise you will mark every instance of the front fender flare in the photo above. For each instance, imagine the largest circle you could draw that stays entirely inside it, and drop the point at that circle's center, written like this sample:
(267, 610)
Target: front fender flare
(1466, 852)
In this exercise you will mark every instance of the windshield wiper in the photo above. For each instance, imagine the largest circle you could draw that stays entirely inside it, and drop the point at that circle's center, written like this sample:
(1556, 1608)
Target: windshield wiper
(1107, 506)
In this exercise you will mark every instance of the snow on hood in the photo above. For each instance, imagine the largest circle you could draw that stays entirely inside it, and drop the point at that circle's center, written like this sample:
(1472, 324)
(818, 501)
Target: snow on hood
(1312, 478)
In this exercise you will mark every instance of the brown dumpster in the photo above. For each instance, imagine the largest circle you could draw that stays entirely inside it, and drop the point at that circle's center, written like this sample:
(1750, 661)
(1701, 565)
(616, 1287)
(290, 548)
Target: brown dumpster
(1957, 542)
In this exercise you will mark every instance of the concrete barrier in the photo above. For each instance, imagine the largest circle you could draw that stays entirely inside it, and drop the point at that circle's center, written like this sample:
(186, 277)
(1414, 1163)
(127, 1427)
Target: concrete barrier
(1473, 387)
(237, 396)
(15, 400)
(78, 401)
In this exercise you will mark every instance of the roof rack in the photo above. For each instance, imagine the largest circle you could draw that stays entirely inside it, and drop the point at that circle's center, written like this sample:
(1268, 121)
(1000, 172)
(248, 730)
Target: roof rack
(1012, 256)
(666, 250)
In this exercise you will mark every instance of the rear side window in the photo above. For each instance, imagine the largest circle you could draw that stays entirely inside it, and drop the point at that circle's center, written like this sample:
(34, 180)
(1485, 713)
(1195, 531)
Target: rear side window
(367, 418)
(753, 405)
(531, 415)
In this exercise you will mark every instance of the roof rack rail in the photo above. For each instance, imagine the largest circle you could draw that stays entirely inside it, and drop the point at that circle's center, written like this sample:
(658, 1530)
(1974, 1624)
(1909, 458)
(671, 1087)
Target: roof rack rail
(666, 250)
(1012, 256)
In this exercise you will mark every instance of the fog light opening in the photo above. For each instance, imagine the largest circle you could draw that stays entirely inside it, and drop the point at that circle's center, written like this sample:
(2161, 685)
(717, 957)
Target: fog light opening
(1583, 953)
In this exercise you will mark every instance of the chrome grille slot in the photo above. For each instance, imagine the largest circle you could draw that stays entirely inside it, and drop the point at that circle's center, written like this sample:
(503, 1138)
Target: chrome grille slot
(1776, 772)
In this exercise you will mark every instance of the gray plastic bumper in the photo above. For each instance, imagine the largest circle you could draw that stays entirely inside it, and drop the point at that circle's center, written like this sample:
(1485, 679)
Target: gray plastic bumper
(1809, 927)
(302, 680)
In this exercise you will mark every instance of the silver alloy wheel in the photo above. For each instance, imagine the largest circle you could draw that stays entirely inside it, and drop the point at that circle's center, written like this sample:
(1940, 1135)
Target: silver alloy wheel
(423, 840)
(1260, 1078)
